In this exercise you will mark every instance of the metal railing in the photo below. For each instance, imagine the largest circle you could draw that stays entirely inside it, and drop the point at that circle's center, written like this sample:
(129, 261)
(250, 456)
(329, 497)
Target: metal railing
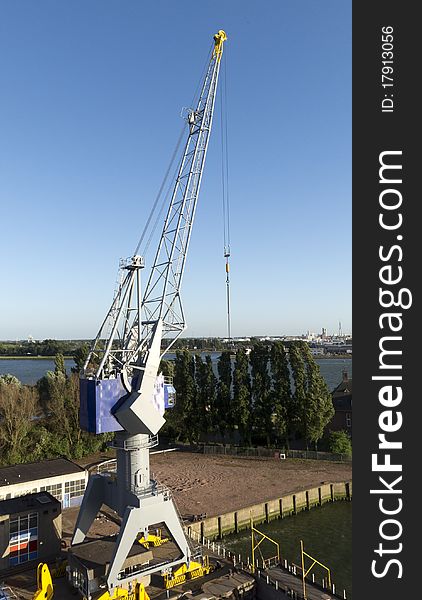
(263, 569)
(246, 452)
(135, 444)
(108, 466)
(7, 593)
(155, 489)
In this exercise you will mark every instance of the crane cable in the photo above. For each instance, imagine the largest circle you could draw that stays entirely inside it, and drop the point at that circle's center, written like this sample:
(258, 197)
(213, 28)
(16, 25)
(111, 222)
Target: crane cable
(164, 201)
(225, 190)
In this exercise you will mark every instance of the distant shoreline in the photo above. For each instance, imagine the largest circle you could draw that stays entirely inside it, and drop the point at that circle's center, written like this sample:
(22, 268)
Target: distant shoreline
(26, 357)
(327, 356)
(70, 357)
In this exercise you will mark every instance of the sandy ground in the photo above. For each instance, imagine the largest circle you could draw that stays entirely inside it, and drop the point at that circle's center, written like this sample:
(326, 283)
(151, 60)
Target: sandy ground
(218, 484)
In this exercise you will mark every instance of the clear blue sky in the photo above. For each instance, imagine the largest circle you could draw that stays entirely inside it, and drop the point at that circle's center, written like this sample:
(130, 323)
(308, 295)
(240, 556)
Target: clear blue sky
(91, 94)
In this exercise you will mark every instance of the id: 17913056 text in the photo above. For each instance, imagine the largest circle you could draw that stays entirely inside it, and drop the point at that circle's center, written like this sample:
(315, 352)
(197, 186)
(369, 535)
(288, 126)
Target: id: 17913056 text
(387, 68)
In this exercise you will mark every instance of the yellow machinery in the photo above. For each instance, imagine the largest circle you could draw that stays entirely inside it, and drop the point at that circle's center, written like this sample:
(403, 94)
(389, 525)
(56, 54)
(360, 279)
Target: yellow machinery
(266, 562)
(44, 582)
(138, 593)
(306, 572)
(45, 588)
(59, 569)
(186, 572)
(153, 540)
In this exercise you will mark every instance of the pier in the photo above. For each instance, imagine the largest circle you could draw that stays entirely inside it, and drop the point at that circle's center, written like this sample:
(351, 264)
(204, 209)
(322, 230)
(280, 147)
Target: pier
(276, 583)
(290, 504)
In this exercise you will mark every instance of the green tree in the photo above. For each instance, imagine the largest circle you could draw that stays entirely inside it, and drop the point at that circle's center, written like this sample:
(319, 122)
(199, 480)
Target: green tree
(281, 392)
(9, 379)
(59, 365)
(167, 368)
(60, 434)
(184, 416)
(61, 404)
(319, 404)
(206, 384)
(18, 407)
(80, 355)
(44, 443)
(340, 443)
(297, 414)
(50, 347)
(262, 400)
(171, 427)
(221, 418)
(242, 401)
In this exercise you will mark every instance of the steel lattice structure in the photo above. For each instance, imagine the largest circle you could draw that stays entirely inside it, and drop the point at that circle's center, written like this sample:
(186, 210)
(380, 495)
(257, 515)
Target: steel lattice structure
(120, 342)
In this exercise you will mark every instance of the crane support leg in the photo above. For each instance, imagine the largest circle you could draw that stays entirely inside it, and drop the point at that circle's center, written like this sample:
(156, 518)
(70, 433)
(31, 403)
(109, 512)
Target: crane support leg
(155, 509)
(91, 504)
(129, 527)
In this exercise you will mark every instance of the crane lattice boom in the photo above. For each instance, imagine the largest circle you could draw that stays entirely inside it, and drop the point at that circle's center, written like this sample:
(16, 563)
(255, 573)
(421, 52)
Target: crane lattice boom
(121, 344)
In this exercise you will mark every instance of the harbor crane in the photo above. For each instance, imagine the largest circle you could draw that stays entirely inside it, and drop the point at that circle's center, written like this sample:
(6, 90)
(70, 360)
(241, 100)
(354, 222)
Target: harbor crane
(121, 389)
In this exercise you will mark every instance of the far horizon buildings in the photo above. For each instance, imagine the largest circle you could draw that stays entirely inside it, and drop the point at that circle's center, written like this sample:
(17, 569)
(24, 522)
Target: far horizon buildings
(309, 336)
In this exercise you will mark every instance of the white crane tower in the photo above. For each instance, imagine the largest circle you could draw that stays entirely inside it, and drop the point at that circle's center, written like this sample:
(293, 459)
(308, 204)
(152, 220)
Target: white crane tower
(120, 374)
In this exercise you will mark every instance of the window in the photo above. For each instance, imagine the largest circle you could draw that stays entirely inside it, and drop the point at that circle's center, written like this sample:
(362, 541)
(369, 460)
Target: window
(24, 493)
(14, 526)
(348, 420)
(33, 520)
(79, 581)
(56, 490)
(74, 488)
(23, 539)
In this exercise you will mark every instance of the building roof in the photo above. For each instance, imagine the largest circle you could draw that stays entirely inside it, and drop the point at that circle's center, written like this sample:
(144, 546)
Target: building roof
(35, 502)
(39, 470)
(344, 387)
(342, 394)
(96, 554)
(343, 402)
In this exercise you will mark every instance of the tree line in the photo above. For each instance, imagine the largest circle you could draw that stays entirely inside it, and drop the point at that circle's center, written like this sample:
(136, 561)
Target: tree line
(270, 396)
(51, 347)
(36, 348)
(42, 421)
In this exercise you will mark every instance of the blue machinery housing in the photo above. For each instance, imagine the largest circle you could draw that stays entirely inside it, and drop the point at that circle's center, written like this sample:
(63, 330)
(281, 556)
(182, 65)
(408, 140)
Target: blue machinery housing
(99, 396)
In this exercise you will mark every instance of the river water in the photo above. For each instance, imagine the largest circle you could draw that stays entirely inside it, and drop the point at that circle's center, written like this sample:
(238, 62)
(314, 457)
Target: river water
(30, 370)
(326, 532)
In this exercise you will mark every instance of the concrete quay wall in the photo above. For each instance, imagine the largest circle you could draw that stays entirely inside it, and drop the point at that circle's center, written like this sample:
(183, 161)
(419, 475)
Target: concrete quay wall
(290, 504)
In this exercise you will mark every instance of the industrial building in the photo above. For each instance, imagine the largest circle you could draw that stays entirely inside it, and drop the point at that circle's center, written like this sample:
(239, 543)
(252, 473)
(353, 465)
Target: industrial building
(62, 478)
(88, 563)
(30, 529)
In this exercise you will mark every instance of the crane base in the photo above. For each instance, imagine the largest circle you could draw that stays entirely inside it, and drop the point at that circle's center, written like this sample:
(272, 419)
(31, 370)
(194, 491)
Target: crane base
(143, 511)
